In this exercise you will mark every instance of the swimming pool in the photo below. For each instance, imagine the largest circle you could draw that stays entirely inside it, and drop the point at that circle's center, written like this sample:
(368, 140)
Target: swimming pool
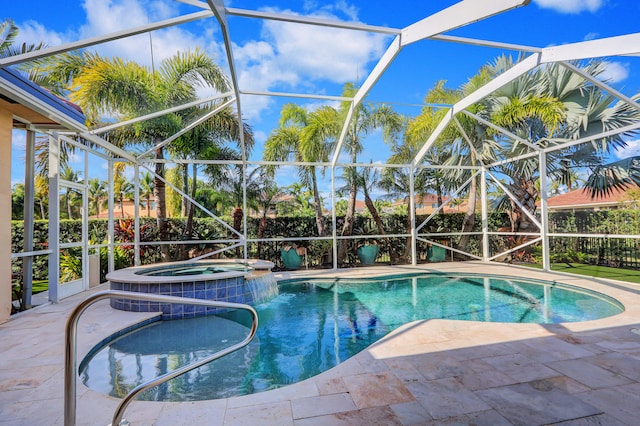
(313, 325)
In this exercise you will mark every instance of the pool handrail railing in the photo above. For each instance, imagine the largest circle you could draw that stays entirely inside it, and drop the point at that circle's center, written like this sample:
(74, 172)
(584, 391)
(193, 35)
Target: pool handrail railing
(71, 341)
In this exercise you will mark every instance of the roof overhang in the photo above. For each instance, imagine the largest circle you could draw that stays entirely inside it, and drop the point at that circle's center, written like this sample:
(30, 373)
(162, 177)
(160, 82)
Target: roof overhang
(36, 108)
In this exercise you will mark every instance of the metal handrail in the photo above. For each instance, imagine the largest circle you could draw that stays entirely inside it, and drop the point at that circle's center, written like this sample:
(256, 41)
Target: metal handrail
(71, 341)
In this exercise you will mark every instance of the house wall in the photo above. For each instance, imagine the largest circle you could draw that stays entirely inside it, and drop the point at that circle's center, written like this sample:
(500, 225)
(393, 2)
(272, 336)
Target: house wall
(6, 125)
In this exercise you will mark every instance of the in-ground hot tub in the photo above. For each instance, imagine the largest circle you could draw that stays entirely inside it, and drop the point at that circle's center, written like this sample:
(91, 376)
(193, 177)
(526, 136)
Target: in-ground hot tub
(224, 280)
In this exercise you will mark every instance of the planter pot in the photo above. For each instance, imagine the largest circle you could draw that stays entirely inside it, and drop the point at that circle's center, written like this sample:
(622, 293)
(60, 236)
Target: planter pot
(368, 254)
(436, 254)
(290, 259)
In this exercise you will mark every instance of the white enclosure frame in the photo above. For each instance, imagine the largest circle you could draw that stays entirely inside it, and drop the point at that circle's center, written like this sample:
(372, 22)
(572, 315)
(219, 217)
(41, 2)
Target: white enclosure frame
(432, 27)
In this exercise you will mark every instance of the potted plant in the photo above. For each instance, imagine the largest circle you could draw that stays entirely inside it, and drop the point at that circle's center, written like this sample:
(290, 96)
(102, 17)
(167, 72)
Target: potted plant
(436, 253)
(292, 255)
(367, 252)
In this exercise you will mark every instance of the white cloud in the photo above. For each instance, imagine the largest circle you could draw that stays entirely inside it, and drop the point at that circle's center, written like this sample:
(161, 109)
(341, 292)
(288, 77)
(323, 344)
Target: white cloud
(18, 139)
(591, 36)
(570, 6)
(632, 150)
(108, 17)
(32, 32)
(295, 55)
(614, 72)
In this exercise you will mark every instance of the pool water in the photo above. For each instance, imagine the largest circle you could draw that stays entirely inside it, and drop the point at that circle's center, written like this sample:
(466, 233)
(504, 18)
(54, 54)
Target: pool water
(176, 270)
(312, 326)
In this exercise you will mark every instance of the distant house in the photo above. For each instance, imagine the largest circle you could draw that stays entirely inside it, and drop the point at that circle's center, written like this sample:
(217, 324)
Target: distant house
(580, 199)
(127, 210)
(429, 204)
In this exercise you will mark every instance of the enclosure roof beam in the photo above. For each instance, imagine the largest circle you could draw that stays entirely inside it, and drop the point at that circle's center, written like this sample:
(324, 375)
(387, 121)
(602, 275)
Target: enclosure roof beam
(159, 113)
(612, 132)
(218, 9)
(456, 16)
(502, 130)
(297, 95)
(187, 128)
(41, 53)
(486, 43)
(108, 146)
(298, 19)
(468, 140)
(611, 46)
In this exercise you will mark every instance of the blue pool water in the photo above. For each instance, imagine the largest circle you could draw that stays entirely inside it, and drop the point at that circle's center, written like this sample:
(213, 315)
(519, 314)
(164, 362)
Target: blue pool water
(314, 325)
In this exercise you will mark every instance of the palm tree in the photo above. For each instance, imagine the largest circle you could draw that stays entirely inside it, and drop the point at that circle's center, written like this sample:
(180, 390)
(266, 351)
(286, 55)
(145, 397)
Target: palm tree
(550, 105)
(107, 86)
(231, 185)
(41, 193)
(396, 182)
(122, 189)
(209, 142)
(306, 137)
(368, 179)
(453, 147)
(97, 192)
(70, 194)
(365, 119)
(8, 35)
(146, 190)
(268, 195)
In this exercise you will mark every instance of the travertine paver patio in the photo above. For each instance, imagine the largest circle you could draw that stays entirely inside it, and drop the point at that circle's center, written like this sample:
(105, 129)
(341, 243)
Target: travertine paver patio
(428, 372)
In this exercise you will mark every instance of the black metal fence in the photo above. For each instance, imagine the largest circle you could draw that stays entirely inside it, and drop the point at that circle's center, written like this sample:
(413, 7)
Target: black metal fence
(610, 250)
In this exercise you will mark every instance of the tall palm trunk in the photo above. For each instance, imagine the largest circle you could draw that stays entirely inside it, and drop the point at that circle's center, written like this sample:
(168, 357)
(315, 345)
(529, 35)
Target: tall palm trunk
(318, 204)
(407, 245)
(374, 211)
(376, 218)
(348, 219)
(68, 198)
(527, 194)
(185, 189)
(469, 220)
(41, 203)
(159, 193)
(188, 227)
(261, 228)
(238, 215)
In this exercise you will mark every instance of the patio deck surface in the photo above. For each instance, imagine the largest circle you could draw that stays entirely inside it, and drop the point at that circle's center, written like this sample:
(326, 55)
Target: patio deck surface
(430, 372)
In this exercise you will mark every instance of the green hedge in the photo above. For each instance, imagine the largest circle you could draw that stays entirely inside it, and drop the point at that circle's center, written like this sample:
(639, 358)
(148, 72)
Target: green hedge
(211, 229)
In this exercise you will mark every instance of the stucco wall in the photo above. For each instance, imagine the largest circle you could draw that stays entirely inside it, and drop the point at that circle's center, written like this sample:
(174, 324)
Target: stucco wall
(6, 124)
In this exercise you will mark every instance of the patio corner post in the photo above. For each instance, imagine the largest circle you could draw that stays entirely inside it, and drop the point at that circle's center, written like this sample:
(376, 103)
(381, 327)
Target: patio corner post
(110, 223)
(29, 204)
(54, 217)
(485, 215)
(412, 211)
(136, 213)
(334, 220)
(544, 212)
(6, 126)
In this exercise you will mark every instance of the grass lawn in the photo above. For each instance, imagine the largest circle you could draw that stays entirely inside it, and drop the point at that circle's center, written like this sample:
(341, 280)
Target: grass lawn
(595, 271)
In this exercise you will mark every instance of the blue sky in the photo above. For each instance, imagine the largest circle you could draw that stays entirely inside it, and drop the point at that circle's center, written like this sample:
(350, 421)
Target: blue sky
(276, 56)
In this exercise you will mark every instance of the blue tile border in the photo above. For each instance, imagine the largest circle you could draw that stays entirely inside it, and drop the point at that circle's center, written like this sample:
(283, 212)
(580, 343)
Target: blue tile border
(233, 290)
